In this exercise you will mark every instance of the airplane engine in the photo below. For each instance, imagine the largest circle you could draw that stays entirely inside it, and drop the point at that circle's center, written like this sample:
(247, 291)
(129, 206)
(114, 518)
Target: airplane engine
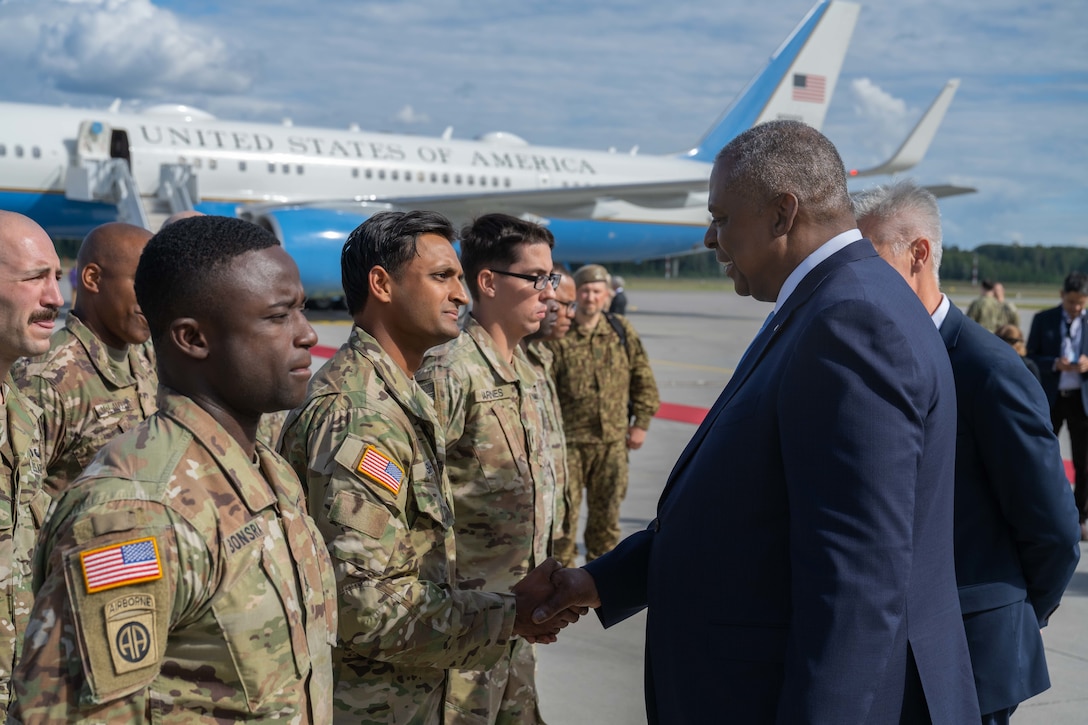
(314, 237)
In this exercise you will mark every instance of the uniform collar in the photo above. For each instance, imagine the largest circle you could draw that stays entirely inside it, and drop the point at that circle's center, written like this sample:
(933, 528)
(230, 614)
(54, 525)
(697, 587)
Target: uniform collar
(402, 388)
(243, 474)
(99, 354)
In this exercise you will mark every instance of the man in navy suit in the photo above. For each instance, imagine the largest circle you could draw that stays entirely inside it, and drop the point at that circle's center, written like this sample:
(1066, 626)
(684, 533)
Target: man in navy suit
(800, 567)
(1016, 534)
(1059, 346)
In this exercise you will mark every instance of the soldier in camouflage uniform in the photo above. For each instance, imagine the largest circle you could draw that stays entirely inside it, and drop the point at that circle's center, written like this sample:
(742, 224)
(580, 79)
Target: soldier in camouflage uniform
(608, 395)
(29, 300)
(554, 327)
(368, 447)
(489, 401)
(98, 378)
(180, 579)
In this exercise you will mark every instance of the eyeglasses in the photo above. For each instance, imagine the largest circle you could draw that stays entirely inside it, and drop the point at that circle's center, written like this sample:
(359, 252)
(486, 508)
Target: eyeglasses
(570, 307)
(540, 281)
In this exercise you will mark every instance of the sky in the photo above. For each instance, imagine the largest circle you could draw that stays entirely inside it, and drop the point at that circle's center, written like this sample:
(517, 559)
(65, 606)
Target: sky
(601, 74)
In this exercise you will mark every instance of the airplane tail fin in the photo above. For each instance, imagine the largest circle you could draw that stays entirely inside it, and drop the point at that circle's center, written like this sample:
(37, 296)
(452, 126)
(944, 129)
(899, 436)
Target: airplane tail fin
(797, 82)
(921, 136)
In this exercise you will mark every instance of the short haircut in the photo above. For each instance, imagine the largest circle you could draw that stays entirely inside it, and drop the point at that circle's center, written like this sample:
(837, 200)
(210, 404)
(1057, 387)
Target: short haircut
(1076, 282)
(986, 284)
(908, 212)
(788, 157)
(180, 266)
(492, 240)
(387, 240)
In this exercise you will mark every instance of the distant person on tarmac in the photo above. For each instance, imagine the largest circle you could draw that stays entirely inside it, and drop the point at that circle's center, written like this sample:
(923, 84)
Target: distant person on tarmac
(1058, 343)
(619, 297)
(990, 310)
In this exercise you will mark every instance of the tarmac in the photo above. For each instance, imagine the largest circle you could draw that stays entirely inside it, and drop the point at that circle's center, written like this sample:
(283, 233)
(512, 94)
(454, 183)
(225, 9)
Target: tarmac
(694, 339)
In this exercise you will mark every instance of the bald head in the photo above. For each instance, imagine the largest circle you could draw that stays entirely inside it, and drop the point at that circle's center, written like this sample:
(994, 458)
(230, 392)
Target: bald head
(106, 299)
(178, 216)
(29, 293)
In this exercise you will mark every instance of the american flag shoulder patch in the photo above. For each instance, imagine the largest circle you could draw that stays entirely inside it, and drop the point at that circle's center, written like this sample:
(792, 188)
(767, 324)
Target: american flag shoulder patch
(382, 470)
(118, 565)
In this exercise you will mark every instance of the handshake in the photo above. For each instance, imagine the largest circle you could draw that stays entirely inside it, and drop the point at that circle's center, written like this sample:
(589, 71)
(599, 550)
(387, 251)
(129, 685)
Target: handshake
(549, 598)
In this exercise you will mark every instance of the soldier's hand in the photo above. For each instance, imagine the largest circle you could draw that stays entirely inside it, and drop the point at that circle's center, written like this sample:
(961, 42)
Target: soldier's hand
(635, 438)
(529, 593)
(571, 588)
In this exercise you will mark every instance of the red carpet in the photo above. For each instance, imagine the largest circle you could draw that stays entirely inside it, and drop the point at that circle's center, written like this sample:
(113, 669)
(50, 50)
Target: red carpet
(668, 411)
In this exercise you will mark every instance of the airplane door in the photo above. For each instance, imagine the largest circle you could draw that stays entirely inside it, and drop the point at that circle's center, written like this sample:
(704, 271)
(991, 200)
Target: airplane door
(119, 148)
(95, 140)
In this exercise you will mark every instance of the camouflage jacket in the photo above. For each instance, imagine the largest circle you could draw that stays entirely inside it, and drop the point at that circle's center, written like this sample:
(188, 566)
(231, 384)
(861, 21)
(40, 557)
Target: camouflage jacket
(367, 448)
(992, 313)
(596, 375)
(503, 491)
(540, 357)
(23, 505)
(86, 399)
(180, 581)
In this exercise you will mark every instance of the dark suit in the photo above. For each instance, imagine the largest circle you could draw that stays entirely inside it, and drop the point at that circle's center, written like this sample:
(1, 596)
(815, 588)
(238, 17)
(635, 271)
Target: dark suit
(1045, 347)
(800, 568)
(619, 302)
(1016, 533)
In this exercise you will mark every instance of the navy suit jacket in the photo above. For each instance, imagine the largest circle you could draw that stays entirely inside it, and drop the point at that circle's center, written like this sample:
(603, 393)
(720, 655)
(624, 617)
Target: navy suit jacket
(800, 568)
(1045, 346)
(1016, 526)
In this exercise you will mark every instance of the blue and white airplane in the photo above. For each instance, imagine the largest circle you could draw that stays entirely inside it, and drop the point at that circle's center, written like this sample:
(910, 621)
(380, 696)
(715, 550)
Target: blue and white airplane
(72, 169)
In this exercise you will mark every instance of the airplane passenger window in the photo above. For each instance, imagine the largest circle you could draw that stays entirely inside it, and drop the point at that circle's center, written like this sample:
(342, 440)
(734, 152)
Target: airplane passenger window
(434, 178)
(271, 168)
(381, 173)
(212, 164)
(36, 152)
(355, 173)
(445, 178)
(241, 165)
(3, 150)
(287, 168)
(19, 152)
(471, 180)
(393, 175)
(299, 169)
(495, 181)
(421, 177)
(506, 182)
(457, 179)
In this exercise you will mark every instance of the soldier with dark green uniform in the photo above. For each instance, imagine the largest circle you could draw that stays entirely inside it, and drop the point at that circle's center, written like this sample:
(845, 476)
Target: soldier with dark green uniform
(608, 395)
(98, 378)
(180, 579)
(490, 404)
(370, 450)
(29, 300)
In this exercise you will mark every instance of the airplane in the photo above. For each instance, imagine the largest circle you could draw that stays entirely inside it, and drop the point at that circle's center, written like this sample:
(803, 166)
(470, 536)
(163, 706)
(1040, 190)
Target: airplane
(72, 169)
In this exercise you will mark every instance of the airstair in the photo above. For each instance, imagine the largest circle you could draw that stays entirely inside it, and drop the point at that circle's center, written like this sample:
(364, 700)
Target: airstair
(101, 171)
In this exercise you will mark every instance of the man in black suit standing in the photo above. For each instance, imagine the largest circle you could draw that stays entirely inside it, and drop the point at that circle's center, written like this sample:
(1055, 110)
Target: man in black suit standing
(800, 568)
(1058, 343)
(1015, 528)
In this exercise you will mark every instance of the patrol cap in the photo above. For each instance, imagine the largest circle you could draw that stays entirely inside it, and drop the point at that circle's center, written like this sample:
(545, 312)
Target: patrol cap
(590, 273)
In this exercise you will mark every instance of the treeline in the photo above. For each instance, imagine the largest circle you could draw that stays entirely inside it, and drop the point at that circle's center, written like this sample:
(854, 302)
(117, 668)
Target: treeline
(1001, 262)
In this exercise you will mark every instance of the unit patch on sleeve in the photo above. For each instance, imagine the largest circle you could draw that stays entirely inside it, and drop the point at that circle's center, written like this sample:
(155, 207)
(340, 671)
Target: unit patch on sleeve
(130, 627)
(383, 471)
(118, 565)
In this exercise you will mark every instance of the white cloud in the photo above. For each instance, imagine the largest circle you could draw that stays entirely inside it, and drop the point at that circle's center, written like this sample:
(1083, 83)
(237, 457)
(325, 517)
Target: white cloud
(127, 48)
